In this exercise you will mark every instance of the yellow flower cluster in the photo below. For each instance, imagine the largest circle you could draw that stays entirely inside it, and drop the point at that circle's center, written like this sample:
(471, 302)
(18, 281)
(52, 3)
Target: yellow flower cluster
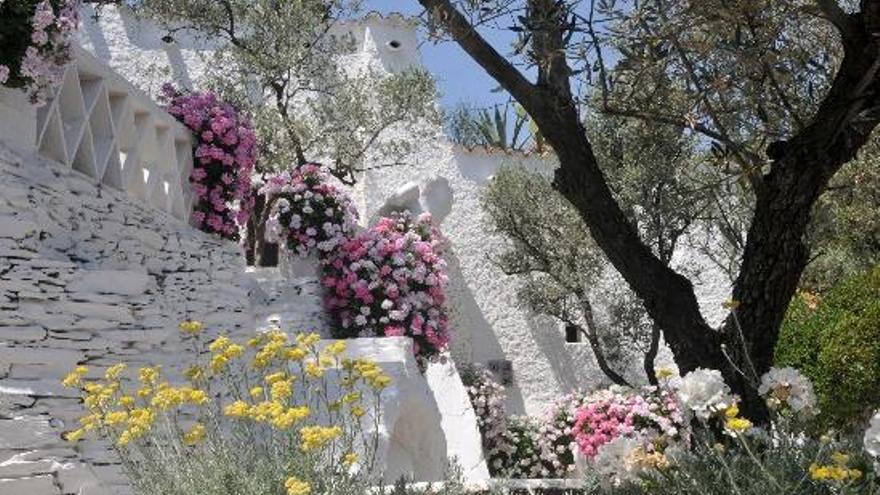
(115, 414)
(74, 378)
(195, 434)
(368, 370)
(316, 437)
(641, 460)
(191, 327)
(223, 350)
(296, 486)
(838, 471)
(733, 423)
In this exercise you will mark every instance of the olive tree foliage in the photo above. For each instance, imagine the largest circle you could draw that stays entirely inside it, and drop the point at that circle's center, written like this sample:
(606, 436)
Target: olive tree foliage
(785, 93)
(552, 254)
(291, 66)
(563, 272)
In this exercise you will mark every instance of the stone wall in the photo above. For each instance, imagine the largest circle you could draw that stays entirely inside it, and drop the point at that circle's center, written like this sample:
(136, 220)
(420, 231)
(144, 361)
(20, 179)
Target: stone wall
(90, 276)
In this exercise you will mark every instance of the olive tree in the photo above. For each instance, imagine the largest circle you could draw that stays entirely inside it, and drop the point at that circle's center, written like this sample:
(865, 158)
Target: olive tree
(790, 90)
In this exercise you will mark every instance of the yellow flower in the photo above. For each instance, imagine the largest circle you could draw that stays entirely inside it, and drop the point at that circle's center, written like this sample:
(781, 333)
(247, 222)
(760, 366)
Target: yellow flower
(336, 348)
(833, 473)
(307, 340)
(74, 378)
(116, 418)
(233, 351)
(75, 435)
(281, 390)
(126, 401)
(220, 344)
(114, 372)
(275, 377)
(144, 392)
(313, 370)
(219, 362)
(349, 459)
(149, 376)
(194, 373)
(840, 458)
(253, 342)
(237, 409)
(289, 417)
(295, 354)
(357, 411)
(257, 392)
(191, 327)
(90, 422)
(316, 437)
(738, 425)
(295, 486)
(195, 435)
(194, 396)
(731, 412)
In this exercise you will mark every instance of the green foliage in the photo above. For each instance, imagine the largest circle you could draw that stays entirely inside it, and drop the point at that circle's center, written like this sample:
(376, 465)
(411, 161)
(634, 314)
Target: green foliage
(481, 127)
(835, 341)
(290, 66)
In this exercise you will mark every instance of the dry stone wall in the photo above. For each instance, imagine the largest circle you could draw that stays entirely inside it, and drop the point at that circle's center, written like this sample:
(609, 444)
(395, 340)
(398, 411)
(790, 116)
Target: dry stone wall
(90, 276)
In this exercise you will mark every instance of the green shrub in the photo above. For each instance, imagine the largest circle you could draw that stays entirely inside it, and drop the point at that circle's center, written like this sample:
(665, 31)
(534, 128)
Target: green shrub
(835, 341)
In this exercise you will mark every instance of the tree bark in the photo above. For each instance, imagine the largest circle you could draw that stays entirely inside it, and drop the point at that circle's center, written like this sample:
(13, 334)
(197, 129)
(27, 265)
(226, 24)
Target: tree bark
(775, 253)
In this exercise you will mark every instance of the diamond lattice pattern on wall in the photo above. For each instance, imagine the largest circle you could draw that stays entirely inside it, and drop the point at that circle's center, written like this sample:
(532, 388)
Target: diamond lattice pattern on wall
(101, 125)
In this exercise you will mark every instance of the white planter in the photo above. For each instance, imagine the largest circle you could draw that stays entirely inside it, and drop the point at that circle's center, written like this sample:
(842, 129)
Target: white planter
(295, 267)
(18, 120)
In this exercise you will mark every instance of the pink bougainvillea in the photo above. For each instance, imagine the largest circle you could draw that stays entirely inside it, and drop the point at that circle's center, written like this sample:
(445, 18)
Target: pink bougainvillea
(223, 160)
(307, 211)
(389, 281)
(653, 416)
(35, 44)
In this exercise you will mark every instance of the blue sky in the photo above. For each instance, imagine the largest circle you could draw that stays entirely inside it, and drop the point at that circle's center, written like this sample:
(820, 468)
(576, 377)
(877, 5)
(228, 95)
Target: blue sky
(459, 79)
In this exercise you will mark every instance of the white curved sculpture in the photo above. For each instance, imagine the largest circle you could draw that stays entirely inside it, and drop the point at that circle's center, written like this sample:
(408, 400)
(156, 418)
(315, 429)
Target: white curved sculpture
(426, 418)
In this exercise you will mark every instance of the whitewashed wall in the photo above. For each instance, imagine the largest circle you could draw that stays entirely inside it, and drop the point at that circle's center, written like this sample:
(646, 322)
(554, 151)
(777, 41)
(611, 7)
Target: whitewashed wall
(489, 323)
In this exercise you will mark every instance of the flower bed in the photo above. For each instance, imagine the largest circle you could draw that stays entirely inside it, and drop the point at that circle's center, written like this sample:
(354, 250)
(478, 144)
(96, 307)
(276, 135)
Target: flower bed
(307, 212)
(35, 39)
(224, 157)
(389, 281)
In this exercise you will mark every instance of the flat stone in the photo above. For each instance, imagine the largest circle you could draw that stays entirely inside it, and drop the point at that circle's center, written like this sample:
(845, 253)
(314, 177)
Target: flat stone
(17, 228)
(37, 485)
(123, 282)
(27, 432)
(97, 310)
(22, 334)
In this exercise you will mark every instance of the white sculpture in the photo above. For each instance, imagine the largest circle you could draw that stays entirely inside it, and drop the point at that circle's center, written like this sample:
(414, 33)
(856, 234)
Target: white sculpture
(432, 195)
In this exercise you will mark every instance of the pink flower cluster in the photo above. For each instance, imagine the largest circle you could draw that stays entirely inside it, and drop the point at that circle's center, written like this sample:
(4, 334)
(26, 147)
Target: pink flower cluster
(224, 158)
(39, 66)
(308, 211)
(389, 281)
(652, 416)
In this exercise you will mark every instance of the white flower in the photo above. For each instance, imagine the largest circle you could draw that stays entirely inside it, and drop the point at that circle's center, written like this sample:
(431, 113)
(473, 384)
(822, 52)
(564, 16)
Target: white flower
(704, 392)
(788, 388)
(872, 436)
(612, 461)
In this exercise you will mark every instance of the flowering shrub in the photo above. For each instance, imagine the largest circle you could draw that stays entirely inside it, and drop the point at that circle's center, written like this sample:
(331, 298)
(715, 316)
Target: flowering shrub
(389, 280)
(35, 39)
(787, 390)
(704, 393)
(652, 417)
(749, 460)
(261, 418)
(519, 446)
(307, 211)
(224, 157)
